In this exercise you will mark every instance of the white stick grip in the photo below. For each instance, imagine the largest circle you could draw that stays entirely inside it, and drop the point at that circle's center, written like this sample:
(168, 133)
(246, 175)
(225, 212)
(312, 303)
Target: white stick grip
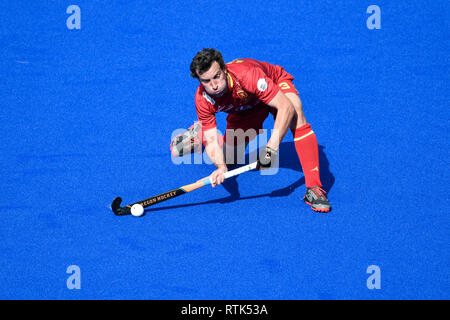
(240, 170)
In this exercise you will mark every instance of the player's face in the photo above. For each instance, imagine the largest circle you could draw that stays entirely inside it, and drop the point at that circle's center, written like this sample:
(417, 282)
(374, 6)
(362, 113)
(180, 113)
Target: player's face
(214, 80)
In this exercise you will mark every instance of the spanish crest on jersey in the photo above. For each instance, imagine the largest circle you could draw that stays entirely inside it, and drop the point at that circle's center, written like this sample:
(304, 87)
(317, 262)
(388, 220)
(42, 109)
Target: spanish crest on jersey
(242, 95)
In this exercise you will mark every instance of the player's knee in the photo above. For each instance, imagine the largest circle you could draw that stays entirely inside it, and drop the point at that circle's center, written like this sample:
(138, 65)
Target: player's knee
(299, 115)
(298, 119)
(301, 120)
(234, 152)
(295, 101)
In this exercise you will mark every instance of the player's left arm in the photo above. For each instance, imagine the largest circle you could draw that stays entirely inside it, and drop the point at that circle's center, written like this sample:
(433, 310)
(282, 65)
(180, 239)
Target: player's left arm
(256, 81)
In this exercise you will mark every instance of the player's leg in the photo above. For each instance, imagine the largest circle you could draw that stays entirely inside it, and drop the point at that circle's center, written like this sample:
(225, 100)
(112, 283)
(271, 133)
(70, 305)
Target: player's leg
(305, 142)
(241, 129)
(234, 154)
(234, 151)
(307, 149)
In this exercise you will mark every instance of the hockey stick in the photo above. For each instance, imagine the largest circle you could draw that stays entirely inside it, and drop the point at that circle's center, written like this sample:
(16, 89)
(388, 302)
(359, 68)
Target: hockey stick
(126, 210)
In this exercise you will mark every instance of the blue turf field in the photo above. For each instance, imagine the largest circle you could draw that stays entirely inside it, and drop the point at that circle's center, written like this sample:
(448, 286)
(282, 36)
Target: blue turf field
(87, 115)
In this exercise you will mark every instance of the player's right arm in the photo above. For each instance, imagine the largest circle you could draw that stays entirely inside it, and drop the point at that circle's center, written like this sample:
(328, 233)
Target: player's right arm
(204, 105)
(215, 153)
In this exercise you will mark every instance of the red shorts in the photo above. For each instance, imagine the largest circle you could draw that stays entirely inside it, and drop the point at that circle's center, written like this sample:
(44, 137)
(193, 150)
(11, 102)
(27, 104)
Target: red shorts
(255, 117)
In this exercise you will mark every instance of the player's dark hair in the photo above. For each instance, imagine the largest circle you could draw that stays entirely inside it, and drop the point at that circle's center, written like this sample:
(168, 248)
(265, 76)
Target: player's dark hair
(203, 61)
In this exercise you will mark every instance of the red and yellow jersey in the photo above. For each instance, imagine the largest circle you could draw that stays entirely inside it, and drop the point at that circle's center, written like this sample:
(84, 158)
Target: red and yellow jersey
(250, 83)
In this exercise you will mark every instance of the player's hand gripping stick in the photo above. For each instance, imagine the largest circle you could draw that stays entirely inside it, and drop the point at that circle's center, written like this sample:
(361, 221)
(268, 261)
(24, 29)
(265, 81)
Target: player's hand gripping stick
(266, 158)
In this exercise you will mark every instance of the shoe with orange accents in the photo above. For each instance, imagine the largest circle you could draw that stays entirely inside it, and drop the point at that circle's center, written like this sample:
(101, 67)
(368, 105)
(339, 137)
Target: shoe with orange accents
(316, 198)
(188, 141)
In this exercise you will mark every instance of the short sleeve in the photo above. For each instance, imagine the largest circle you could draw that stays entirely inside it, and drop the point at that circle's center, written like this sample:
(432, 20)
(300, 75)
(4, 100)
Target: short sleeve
(205, 110)
(257, 82)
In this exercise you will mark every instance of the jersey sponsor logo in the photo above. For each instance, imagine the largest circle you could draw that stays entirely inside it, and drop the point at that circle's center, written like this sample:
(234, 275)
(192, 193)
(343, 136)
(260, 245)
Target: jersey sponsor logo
(207, 97)
(243, 108)
(262, 85)
(225, 108)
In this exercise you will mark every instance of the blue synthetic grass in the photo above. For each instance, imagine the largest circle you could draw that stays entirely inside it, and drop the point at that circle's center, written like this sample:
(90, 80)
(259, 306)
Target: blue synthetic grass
(87, 115)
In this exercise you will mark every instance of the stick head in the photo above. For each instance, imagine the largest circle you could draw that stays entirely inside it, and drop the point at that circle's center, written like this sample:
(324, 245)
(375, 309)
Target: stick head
(117, 209)
(115, 206)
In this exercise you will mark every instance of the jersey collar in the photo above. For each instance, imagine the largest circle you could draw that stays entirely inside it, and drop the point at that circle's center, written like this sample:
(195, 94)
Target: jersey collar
(230, 80)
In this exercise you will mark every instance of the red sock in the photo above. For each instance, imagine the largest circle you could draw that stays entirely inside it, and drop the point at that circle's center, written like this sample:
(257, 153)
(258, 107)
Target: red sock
(308, 152)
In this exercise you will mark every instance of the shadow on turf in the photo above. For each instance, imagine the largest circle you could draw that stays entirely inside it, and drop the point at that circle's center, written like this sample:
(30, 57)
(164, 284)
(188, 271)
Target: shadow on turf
(288, 160)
